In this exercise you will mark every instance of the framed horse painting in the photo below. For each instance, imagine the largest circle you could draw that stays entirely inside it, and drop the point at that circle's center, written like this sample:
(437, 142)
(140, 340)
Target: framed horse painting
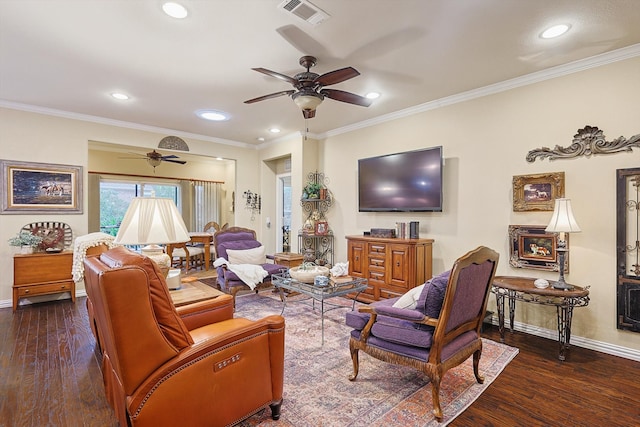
(38, 188)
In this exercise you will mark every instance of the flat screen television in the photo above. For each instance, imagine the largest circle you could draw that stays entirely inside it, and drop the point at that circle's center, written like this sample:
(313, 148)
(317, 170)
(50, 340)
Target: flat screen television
(403, 182)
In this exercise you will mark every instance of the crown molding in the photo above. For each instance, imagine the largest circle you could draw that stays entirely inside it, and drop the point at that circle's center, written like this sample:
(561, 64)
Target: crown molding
(118, 123)
(529, 79)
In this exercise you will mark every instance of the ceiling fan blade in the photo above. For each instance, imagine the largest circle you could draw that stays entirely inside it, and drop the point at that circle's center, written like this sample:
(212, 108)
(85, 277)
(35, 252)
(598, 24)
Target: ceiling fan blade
(348, 97)
(276, 75)
(336, 76)
(309, 114)
(182, 162)
(271, 95)
(170, 156)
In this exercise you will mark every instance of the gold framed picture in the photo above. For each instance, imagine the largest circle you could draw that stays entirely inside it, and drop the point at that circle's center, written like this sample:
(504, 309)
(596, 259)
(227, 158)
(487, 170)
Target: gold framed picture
(537, 192)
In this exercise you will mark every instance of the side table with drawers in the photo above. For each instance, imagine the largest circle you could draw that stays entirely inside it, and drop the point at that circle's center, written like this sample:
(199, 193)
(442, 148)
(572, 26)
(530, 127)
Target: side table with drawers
(42, 274)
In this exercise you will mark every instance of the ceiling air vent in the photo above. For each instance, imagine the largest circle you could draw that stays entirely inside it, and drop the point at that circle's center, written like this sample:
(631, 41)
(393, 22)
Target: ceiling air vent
(304, 10)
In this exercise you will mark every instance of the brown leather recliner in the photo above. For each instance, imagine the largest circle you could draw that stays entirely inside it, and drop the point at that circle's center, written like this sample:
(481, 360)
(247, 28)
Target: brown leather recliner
(194, 365)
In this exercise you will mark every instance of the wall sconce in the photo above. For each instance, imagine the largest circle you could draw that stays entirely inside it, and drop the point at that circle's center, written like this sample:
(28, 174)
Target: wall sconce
(253, 202)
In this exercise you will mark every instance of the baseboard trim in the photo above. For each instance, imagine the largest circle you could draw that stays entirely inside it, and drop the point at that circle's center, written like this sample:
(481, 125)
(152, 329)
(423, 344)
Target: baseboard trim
(7, 303)
(603, 347)
(552, 334)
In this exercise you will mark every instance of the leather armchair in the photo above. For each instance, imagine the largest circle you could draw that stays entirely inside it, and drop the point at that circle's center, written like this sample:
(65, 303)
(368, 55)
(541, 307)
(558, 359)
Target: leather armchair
(195, 365)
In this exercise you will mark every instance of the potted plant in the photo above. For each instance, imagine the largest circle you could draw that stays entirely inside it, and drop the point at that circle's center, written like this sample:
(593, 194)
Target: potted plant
(312, 190)
(26, 241)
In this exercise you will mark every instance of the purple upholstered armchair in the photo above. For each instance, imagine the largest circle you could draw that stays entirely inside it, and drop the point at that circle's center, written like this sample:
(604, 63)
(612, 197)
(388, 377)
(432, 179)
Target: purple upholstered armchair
(240, 243)
(440, 332)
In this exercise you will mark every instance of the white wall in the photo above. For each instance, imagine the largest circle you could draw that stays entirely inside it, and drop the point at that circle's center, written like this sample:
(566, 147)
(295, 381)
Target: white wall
(485, 142)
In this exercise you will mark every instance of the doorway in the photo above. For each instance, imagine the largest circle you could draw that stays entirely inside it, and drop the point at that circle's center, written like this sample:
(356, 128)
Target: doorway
(283, 212)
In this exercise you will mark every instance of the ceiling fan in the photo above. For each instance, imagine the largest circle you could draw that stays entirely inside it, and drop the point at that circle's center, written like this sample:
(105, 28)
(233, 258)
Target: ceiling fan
(154, 158)
(309, 87)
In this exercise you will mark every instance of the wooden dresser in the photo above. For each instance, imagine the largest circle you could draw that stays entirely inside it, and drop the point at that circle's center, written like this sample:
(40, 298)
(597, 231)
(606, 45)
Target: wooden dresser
(42, 274)
(391, 266)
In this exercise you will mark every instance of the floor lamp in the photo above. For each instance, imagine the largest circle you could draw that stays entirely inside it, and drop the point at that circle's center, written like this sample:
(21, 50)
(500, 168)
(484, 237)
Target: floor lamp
(562, 222)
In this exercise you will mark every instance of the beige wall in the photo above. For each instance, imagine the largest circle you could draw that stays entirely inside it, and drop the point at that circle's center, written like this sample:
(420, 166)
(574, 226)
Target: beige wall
(485, 142)
(33, 137)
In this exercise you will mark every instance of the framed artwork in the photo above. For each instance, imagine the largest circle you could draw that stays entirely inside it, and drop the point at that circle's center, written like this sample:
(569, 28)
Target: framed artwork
(40, 188)
(533, 247)
(537, 192)
(322, 227)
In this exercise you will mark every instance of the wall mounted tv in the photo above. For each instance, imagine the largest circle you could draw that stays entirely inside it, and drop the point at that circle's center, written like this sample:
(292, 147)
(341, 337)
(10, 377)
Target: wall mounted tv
(403, 182)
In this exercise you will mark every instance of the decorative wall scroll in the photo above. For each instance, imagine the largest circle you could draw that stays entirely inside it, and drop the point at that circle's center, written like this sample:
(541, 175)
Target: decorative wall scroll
(537, 192)
(38, 188)
(533, 247)
(589, 140)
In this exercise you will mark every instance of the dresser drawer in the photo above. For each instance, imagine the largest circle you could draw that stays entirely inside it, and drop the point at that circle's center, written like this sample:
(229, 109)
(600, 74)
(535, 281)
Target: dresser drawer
(45, 288)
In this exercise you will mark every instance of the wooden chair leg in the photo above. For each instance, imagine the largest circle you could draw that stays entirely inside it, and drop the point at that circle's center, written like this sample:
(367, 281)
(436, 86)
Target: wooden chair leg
(356, 363)
(435, 396)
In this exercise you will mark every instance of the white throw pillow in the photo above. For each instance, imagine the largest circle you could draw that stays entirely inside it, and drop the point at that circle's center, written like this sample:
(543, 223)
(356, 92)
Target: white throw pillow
(410, 299)
(247, 256)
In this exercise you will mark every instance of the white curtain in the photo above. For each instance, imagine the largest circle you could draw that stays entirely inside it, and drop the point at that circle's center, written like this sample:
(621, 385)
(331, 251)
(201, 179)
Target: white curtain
(207, 198)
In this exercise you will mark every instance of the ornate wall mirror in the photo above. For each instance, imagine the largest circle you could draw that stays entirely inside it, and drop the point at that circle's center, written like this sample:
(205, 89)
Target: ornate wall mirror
(628, 248)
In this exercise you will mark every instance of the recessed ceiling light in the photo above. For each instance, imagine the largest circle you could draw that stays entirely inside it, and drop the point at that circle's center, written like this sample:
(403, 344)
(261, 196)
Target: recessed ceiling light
(274, 130)
(214, 115)
(372, 95)
(261, 138)
(555, 31)
(120, 96)
(175, 10)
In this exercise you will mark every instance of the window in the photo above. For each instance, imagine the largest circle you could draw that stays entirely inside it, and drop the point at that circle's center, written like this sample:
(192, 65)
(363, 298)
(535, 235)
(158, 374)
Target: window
(115, 197)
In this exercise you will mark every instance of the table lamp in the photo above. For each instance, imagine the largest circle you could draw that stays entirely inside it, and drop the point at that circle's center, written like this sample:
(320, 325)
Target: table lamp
(152, 221)
(563, 222)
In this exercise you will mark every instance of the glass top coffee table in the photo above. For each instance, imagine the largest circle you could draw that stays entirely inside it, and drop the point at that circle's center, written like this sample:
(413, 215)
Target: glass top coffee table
(333, 289)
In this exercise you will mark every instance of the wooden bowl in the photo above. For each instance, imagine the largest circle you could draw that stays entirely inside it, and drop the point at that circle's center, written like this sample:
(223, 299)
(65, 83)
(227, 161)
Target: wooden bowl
(309, 274)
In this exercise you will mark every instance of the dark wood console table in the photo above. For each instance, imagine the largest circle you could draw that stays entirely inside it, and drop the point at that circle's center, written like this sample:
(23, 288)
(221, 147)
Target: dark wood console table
(523, 289)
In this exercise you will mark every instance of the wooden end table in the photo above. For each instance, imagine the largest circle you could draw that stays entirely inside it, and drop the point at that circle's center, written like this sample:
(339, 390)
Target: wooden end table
(523, 289)
(192, 292)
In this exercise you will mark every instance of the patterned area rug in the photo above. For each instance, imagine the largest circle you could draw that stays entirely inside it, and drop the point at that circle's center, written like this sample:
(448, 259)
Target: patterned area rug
(317, 391)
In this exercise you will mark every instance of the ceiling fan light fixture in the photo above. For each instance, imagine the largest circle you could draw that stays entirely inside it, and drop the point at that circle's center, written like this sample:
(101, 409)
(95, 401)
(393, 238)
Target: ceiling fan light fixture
(307, 101)
(154, 162)
(372, 95)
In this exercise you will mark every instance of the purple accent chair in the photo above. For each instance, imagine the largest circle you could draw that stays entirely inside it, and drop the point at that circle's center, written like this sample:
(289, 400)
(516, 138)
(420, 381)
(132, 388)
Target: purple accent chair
(430, 338)
(238, 238)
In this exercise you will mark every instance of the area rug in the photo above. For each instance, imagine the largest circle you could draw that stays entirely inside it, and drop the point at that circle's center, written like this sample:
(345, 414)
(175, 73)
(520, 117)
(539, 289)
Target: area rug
(317, 391)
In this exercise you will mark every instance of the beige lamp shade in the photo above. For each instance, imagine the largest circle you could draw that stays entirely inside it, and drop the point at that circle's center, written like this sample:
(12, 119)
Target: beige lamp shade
(562, 219)
(152, 220)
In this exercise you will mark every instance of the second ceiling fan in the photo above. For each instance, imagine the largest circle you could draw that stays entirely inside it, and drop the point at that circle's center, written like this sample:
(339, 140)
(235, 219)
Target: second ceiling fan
(309, 89)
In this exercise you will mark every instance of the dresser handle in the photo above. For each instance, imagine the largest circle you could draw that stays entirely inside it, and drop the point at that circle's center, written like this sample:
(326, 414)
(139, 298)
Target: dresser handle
(398, 264)
(26, 291)
(63, 287)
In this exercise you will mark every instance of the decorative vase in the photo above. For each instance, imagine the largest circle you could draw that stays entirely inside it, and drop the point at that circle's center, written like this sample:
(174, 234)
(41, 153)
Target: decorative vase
(26, 250)
(309, 255)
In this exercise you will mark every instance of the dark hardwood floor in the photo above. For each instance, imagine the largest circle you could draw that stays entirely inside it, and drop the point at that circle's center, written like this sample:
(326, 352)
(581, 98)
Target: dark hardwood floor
(50, 376)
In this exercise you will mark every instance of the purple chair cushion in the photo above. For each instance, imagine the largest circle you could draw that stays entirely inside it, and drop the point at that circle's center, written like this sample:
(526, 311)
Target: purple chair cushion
(432, 296)
(393, 329)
